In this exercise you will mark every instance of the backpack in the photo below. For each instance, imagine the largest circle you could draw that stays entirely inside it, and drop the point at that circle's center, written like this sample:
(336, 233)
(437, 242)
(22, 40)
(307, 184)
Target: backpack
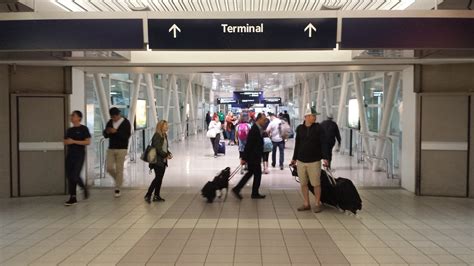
(243, 131)
(284, 129)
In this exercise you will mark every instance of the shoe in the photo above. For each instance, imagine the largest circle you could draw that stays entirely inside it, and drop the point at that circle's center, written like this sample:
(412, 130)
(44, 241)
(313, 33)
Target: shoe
(304, 208)
(258, 196)
(266, 172)
(86, 193)
(237, 194)
(148, 199)
(215, 155)
(273, 165)
(117, 193)
(242, 171)
(318, 208)
(281, 168)
(158, 198)
(71, 201)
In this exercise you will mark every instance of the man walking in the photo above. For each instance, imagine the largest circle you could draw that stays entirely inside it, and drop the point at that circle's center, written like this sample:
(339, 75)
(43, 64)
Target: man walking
(208, 119)
(286, 116)
(331, 131)
(118, 130)
(252, 156)
(308, 153)
(274, 129)
(77, 138)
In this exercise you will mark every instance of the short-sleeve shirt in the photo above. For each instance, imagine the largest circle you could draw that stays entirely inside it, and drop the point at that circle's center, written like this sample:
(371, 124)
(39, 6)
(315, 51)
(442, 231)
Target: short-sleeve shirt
(77, 133)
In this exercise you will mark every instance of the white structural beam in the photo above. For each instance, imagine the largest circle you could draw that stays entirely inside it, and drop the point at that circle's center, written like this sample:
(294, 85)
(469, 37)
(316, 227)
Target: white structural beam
(150, 89)
(389, 101)
(101, 97)
(305, 97)
(319, 98)
(192, 108)
(168, 91)
(364, 128)
(341, 114)
(134, 98)
(327, 100)
(177, 111)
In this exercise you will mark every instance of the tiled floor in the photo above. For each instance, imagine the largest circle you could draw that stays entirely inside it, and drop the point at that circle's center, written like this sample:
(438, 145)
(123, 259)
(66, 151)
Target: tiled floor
(394, 228)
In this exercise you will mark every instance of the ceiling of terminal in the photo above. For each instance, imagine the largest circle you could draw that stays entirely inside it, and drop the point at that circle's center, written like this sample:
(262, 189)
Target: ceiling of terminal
(221, 5)
(227, 82)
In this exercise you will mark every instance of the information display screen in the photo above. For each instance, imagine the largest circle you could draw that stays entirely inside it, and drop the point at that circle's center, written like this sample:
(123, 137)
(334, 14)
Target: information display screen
(248, 96)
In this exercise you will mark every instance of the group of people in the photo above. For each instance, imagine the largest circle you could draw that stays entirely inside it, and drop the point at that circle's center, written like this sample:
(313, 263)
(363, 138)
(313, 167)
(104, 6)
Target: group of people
(313, 149)
(118, 131)
(257, 137)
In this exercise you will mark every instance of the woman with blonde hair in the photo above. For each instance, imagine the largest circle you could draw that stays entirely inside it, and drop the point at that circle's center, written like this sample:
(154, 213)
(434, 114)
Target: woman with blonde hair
(160, 143)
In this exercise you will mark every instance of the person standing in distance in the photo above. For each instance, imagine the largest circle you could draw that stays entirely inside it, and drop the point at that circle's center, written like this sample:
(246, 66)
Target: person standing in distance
(118, 130)
(160, 143)
(77, 138)
(274, 130)
(309, 151)
(332, 134)
(208, 118)
(252, 156)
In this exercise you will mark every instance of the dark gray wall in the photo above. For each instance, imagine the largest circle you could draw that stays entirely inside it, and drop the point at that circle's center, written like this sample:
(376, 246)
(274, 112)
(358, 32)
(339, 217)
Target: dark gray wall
(4, 133)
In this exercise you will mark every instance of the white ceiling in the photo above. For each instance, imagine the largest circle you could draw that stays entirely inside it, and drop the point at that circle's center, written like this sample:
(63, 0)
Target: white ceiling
(220, 5)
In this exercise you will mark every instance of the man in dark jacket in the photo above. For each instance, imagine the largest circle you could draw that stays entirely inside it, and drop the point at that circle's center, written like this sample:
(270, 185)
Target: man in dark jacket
(118, 130)
(286, 116)
(208, 119)
(309, 151)
(252, 156)
(331, 131)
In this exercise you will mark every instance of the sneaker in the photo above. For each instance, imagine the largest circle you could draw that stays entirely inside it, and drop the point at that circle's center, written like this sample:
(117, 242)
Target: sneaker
(158, 198)
(117, 193)
(148, 199)
(71, 201)
(318, 208)
(304, 208)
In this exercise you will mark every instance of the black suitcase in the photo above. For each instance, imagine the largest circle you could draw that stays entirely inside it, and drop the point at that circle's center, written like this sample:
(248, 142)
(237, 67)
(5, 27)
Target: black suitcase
(338, 192)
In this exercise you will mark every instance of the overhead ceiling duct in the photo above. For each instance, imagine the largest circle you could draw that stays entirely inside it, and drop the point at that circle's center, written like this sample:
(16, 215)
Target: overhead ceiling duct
(17, 5)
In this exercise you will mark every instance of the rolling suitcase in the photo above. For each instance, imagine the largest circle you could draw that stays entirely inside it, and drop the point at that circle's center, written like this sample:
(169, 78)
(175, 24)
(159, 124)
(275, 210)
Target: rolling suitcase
(221, 148)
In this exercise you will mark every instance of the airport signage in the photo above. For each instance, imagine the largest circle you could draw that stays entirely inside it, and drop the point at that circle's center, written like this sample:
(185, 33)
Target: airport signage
(407, 33)
(242, 34)
(72, 34)
(272, 100)
(226, 100)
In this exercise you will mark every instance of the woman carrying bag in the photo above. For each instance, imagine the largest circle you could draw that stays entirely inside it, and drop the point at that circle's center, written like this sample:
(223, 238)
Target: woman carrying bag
(214, 133)
(160, 144)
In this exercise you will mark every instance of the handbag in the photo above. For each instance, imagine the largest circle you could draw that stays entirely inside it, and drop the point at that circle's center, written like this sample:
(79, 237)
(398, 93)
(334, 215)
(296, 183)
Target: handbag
(150, 155)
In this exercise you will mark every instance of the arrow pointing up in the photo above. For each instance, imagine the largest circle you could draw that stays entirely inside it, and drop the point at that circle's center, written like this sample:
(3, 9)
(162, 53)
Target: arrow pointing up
(310, 28)
(175, 29)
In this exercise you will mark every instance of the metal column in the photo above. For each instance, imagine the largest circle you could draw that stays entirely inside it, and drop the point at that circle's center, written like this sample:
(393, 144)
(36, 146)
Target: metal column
(168, 90)
(177, 110)
(191, 103)
(304, 99)
(102, 97)
(389, 100)
(327, 99)
(364, 129)
(150, 89)
(319, 98)
(342, 99)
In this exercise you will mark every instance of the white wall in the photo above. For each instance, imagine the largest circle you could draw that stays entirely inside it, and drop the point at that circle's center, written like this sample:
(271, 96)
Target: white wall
(408, 122)
(77, 99)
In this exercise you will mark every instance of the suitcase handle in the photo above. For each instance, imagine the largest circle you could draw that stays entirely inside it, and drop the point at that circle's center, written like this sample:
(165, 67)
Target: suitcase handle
(330, 174)
(235, 172)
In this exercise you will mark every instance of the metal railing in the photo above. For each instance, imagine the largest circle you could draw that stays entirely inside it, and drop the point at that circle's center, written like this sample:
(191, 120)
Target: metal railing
(361, 154)
(102, 157)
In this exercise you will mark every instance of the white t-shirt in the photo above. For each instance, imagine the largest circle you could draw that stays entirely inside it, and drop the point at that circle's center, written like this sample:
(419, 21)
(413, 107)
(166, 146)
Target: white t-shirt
(274, 130)
(118, 123)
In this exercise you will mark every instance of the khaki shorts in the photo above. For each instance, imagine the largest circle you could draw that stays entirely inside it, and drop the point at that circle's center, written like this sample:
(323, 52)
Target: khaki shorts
(309, 172)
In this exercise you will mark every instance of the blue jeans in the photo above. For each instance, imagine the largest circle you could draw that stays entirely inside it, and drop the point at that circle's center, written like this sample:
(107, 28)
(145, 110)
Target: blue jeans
(281, 146)
(231, 135)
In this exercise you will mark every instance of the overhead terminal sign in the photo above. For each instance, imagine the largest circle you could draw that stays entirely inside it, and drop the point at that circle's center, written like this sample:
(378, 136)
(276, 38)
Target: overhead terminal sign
(407, 33)
(226, 100)
(72, 34)
(272, 100)
(242, 34)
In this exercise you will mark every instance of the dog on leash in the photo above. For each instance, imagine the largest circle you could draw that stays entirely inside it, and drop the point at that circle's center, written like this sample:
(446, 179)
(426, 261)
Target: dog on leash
(219, 183)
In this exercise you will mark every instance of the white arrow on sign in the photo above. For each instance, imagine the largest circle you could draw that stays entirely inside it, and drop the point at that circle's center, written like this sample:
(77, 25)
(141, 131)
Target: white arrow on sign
(310, 28)
(175, 29)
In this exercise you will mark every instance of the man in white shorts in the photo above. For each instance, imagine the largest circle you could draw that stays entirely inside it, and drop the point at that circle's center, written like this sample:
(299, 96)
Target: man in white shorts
(308, 155)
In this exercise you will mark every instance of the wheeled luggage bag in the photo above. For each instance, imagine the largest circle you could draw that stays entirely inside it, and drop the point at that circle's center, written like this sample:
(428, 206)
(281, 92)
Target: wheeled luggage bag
(221, 148)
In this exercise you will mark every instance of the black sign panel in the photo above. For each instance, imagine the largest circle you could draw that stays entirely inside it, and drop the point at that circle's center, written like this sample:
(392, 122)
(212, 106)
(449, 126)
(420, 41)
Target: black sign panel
(242, 34)
(82, 34)
(407, 33)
